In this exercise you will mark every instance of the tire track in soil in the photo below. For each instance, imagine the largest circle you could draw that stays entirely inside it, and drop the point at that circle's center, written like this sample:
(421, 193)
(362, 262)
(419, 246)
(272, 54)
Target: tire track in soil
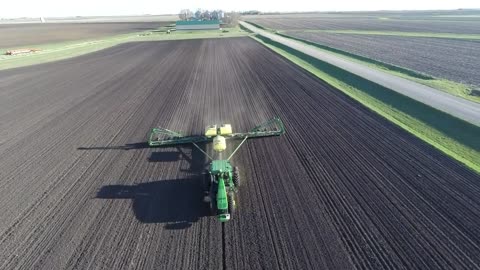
(342, 189)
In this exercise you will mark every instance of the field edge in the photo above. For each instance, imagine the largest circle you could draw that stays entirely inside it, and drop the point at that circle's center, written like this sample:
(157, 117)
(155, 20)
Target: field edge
(454, 88)
(64, 50)
(392, 106)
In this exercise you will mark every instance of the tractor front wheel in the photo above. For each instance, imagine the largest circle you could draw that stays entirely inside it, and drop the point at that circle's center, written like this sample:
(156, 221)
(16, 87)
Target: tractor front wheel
(207, 180)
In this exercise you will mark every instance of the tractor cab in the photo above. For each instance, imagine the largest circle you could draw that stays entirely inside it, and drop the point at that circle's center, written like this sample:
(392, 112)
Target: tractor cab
(222, 185)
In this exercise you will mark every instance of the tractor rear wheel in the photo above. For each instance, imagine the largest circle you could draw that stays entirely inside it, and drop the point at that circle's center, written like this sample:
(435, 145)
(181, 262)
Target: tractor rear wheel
(206, 181)
(231, 203)
(206, 185)
(236, 177)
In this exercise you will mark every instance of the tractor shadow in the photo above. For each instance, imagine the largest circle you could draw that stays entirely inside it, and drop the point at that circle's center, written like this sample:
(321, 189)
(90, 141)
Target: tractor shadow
(176, 203)
(196, 159)
(128, 146)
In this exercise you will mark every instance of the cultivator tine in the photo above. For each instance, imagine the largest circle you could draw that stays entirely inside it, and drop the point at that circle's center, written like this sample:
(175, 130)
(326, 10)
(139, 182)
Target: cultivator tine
(161, 136)
(273, 127)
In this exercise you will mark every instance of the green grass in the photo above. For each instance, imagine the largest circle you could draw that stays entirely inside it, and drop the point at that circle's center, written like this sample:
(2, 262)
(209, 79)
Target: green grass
(454, 137)
(400, 34)
(454, 88)
(58, 51)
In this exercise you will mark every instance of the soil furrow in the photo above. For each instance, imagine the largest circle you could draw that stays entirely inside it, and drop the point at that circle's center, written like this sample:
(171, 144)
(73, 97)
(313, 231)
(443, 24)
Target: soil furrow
(342, 189)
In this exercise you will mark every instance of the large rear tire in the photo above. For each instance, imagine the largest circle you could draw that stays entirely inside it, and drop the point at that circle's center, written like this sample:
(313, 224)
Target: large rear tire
(207, 181)
(236, 177)
(206, 185)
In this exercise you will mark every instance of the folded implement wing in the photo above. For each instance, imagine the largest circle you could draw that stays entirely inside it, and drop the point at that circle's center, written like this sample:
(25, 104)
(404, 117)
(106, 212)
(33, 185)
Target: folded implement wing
(165, 137)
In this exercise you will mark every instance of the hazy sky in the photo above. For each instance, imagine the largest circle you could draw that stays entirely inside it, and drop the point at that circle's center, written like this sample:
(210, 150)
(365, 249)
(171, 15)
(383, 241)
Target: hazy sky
(51, 8)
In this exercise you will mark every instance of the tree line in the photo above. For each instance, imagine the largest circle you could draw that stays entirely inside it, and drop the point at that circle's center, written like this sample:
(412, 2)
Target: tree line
(230, 18)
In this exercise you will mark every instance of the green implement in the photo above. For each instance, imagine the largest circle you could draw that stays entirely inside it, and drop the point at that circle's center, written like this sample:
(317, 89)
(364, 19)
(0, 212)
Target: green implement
(163, 136)
(221, 179)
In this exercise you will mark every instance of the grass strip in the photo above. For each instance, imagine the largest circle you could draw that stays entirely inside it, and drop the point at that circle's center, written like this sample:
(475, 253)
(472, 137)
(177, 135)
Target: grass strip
(452, 136)
(364, 59)
(454, 88)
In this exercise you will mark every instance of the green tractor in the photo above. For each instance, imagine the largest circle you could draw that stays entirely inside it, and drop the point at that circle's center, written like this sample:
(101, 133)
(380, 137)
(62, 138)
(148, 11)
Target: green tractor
(222, 182)
(222, 179)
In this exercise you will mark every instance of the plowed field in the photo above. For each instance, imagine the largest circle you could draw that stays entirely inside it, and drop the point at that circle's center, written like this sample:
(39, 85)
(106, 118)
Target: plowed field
(342, 189)
(18, 35)
(373, 22)
(451, 59)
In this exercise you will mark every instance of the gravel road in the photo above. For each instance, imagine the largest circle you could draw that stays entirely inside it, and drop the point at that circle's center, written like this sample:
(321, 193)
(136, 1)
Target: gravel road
(343, 189)
(461, 108)
(452, 59)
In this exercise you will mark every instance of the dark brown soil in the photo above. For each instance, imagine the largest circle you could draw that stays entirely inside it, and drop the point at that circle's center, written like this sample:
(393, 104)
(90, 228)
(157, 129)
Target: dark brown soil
(452, 59)
(343, 189)
(372, 22)
(18, 35)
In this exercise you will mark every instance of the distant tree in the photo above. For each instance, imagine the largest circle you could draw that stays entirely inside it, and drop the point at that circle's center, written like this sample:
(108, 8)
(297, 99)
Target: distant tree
(185, 14)
(198, 14)
(251, 12)
(214, 15)
(182, 15)
(206, 15)
(231, 18)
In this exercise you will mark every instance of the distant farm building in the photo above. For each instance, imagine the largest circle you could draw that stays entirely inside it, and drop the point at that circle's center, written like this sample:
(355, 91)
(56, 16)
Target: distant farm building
(197, 25)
